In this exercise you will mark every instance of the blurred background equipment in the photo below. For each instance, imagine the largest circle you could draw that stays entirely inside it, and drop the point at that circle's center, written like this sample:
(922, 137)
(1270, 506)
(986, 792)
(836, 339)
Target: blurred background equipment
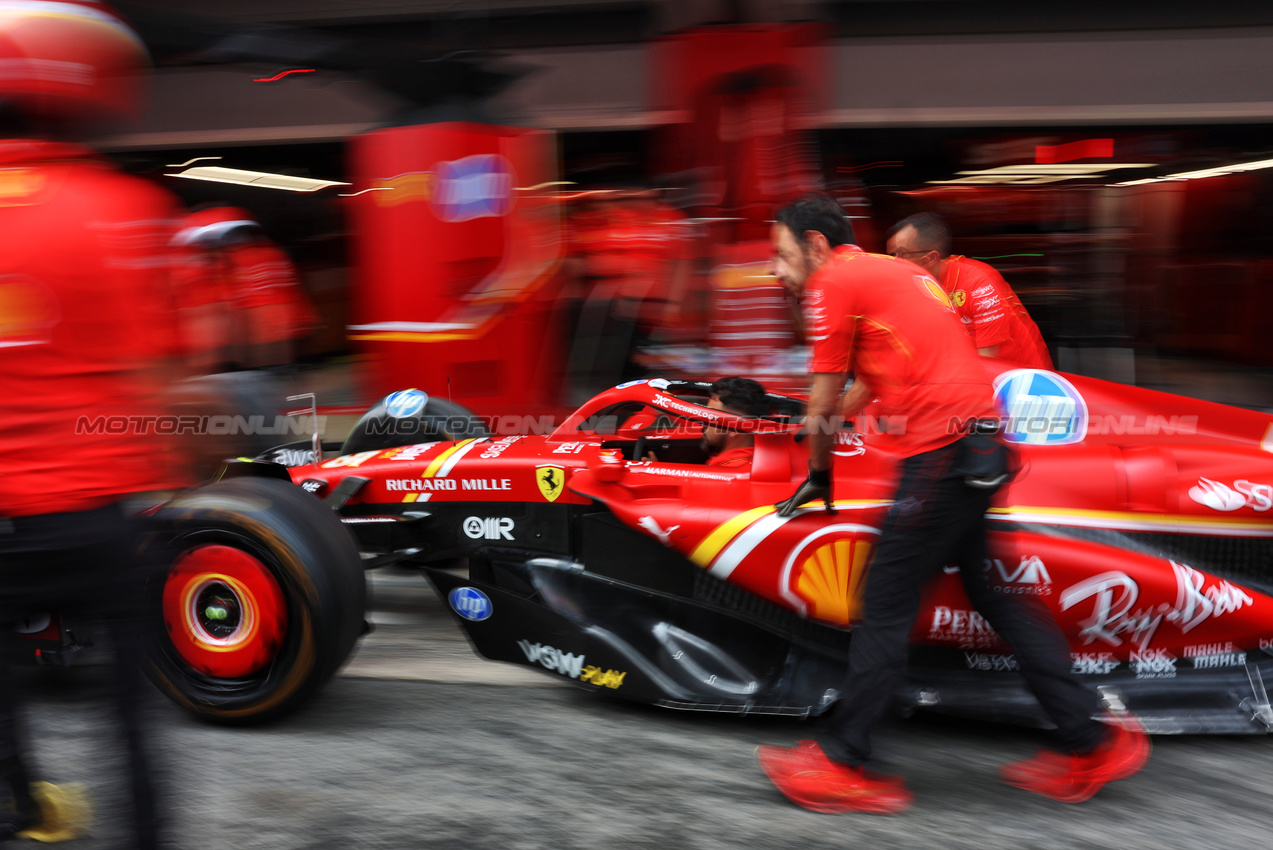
(1031, 128)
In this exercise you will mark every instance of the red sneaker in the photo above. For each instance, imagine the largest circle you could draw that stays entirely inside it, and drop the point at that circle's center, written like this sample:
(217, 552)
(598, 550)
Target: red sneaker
(806, 777)
(1075, 778)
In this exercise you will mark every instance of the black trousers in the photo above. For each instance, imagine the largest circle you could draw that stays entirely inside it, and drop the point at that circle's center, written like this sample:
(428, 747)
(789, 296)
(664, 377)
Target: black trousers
(80, 565)
(936, 520)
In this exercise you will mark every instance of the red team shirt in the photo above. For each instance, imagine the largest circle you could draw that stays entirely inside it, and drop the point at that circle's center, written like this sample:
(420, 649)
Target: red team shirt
(992, 313)
(85, 315)
(892, 325)
(736, 460)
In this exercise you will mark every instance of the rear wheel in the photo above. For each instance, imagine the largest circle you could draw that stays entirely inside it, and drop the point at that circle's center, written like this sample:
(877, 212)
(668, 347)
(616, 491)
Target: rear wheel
(263, 601)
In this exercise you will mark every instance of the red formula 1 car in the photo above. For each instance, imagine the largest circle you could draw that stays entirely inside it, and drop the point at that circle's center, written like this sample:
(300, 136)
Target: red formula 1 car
(1141, 520)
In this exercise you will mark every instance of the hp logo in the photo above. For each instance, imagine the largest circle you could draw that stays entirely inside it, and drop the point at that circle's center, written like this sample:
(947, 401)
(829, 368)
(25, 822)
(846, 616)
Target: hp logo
(1040, 408)
(470, 603)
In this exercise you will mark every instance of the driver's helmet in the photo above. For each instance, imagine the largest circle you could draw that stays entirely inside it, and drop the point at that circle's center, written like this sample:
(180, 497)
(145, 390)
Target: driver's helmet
(69, 63)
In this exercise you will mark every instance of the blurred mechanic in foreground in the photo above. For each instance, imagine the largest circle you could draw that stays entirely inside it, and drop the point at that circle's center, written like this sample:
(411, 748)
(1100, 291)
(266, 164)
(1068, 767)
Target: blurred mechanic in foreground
(730, 449)
(893, 327)
(85, 321)
(991, 312)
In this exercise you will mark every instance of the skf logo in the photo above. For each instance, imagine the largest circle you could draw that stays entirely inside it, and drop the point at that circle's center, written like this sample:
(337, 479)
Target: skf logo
(550, 480)
(478, 186)
(959, 297)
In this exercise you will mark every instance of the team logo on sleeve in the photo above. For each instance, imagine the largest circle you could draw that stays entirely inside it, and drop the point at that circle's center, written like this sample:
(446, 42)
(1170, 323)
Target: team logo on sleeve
(933, 289)
(959, 297)
(551, 480)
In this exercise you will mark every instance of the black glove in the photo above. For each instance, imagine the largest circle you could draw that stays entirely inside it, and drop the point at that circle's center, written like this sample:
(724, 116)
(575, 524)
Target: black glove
(816, 486)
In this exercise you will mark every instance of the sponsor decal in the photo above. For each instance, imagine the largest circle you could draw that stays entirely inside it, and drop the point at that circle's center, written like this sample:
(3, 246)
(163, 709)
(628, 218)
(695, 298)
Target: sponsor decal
(293, 457)
(479, 186)
(967, 628)
(350, 460)
(313, 485)
(1040, 408)
(648, 468)
(407, 452)
(470, 603)
(1153, 664)
(669, 403)
(602, 678)
(660, 383)
(488, 528)
(498, 447)
(1243, 494)
(1114, 612)
(848, 444)
(405, 403)
(984, 289)
(558, 660)
(1029, 577)
(486, 483)
(651, 525)
(416, 485)
(932, 289)
(550, 480)
(982, 661)
(569, 448)
(627, 384)
(1210, 655)
(1093, 663)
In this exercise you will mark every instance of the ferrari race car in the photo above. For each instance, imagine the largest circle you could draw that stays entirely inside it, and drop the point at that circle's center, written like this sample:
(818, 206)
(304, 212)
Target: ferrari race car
(1140, 519)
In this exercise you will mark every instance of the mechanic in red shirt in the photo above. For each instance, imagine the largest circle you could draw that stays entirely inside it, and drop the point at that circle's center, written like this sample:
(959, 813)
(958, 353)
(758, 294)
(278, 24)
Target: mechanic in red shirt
(732, 450)
(86, 314)
(992, 313)
(892, 326)
(269, 309)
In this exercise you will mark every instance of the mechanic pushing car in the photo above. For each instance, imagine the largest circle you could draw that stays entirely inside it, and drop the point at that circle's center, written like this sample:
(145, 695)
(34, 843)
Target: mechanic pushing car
(990, 310)
(85, 321)
(894, 329)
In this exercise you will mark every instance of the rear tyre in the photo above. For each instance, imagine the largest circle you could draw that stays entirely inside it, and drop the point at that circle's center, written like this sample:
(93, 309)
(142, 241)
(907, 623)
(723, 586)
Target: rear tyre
(262, 603)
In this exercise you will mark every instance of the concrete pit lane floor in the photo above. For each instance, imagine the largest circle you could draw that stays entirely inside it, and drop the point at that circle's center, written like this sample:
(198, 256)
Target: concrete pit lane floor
(421, 744)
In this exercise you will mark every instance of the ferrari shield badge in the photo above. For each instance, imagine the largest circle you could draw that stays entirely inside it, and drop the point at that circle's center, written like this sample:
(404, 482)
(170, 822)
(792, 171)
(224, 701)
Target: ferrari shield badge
(550, 480)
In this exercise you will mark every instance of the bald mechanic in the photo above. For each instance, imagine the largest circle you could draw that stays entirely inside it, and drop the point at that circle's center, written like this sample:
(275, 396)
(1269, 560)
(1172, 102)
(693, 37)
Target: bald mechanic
(891, 325)
(991, 312)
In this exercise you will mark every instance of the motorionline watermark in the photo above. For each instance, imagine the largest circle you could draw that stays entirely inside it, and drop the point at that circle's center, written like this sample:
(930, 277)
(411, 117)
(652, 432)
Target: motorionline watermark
(506, 426)
(218, 425)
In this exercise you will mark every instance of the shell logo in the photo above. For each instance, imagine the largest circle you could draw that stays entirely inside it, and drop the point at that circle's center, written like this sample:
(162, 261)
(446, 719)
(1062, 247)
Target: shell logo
(830, 575)
(933, 288)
